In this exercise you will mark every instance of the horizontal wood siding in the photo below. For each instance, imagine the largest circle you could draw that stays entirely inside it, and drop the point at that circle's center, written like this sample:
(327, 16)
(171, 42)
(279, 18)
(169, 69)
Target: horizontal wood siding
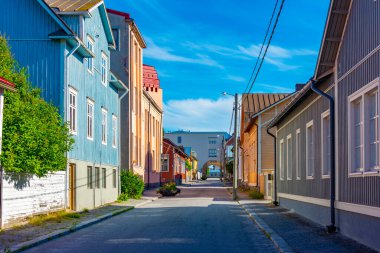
(361, 37)
(317, 187)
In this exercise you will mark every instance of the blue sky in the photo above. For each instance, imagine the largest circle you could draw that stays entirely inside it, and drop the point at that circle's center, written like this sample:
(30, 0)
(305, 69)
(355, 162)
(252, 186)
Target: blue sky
(201, 48)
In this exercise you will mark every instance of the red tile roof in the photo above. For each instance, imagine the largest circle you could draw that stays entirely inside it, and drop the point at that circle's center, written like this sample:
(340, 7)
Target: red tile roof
(150, 77)
(120, 13)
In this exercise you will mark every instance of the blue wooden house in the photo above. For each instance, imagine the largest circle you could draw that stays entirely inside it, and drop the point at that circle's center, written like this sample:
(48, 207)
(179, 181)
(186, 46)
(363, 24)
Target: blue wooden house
(65, 45)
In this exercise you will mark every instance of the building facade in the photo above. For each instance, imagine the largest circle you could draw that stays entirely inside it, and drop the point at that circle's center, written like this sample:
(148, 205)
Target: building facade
(257, 146)
(337, 185)
(68, 58)
(173, 162)
(207, 145)
(127, 65)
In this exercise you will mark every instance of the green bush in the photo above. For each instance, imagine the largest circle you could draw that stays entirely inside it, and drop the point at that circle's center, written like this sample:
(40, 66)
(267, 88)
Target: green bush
(204, 177)
(132, 186)
(168, 187)
(255, 194)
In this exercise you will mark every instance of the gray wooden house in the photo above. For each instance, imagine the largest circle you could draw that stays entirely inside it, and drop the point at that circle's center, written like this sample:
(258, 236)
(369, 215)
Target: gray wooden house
(327, 141)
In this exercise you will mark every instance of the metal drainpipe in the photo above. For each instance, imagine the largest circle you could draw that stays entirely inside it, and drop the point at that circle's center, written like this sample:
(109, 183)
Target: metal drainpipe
(257, 156)
(275, 202)
(65, 100)
(330, 228)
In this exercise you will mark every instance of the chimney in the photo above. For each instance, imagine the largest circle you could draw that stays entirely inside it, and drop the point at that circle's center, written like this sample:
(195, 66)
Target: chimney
(299, 86)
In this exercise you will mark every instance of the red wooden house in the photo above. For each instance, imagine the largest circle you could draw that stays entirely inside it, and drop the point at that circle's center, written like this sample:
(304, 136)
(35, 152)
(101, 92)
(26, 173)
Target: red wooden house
(173, 167)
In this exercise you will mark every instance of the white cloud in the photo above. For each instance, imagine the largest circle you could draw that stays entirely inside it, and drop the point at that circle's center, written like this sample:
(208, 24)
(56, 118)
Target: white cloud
(272, 88)
(198, 114)
(276, 55)
(238, 79)
(165, 54)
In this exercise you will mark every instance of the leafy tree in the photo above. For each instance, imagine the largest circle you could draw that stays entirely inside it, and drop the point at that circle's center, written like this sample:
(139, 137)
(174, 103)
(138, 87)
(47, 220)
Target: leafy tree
(230, 167)
(131, 185)
(188, 165)
(35, 138)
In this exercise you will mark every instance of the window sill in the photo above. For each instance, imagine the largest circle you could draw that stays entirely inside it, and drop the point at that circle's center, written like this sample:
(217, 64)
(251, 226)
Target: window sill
(325, 176)
(309, 177)
(104, 143)
(298, 178)
(364, 174)
(90, 139)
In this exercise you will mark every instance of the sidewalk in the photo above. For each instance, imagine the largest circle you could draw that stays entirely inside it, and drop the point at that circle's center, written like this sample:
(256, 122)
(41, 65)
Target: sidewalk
(294, 233)
(39, 230)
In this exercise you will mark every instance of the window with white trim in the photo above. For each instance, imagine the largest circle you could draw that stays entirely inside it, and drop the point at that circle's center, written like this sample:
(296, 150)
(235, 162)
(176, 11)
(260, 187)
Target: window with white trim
(73, 110)
(289, 160)
(282, 159)
(104, 68)
(114, 180)
(90, 119)
(104, 126)
(298, 154)
(104, 176)
(326, 147)
(114, 131)
(363, 129)
(89, 177)
(97, 177)
(310, 150)
(165, 163)
(90, 61)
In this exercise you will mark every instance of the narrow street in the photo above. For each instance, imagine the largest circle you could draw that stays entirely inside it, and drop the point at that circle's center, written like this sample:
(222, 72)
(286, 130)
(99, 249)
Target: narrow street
(203, 218)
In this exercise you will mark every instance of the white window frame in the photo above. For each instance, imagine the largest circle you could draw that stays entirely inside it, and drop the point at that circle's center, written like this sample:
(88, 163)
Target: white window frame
(90, 119)
(165, 156)
(308, 125)
(104, 69)
(282, 160)
(361, 96)
(73, 111)
(90, 61)
(114, 131)
(289, 159)
(325, 157)
(104, 126)
(298, 154)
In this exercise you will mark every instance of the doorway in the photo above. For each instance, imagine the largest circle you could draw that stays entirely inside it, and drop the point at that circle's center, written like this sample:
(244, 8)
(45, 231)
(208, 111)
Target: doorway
(72, 186)
(268, 186)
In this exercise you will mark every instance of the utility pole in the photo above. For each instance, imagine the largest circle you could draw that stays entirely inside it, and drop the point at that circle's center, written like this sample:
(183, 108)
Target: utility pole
(234, 185)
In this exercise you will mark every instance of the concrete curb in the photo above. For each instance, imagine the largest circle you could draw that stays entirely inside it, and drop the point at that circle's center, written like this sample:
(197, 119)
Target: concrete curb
(59, 233)
(277, 240)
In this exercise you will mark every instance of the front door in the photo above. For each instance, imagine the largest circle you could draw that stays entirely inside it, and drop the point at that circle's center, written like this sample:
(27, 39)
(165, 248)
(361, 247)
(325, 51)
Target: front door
(72, 186)
(268, 186)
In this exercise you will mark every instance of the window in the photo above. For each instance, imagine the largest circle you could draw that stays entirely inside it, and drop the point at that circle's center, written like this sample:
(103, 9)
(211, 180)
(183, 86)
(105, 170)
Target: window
(90, 62)
(165, 163)
(298, 154)
(104, 126)
(309, 150)
(282, 159)
(114, 131)
(104, 69)
(104, 176)
(289, 157)
(97, 177)
(212, 153)
(73, 110)
(326, 147)
(363, 140)
(179, 139)
(116, 36)
(114, 178)
(212, 141)
(90, 119)
(89, 177)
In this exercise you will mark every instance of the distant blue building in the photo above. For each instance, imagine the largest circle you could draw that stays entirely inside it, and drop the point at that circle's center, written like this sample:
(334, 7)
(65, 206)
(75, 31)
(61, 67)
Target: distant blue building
(66, 49)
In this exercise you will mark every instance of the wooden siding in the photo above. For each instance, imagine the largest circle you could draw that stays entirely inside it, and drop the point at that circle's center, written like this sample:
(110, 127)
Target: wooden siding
(361, 37)
(90, 86)
(297, 119)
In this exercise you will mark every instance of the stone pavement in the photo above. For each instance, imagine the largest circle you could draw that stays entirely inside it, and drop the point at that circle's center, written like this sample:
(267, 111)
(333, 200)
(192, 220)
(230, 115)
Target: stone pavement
(298, 233)
(26, 234)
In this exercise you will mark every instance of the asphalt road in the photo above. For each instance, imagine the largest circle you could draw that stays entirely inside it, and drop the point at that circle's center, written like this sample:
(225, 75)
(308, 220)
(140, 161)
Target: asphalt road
(201, 219)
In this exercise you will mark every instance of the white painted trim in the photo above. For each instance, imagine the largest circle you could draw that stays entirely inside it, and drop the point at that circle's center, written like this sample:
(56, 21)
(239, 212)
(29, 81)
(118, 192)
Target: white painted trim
(104, 112)
(298, 153)
(288, 143)
(273, 105)
(349, 207)
(106, 59)
(305, 108)
(75, 94)
(281, 157)
(324, 115)
(90, 102)
(308, 125)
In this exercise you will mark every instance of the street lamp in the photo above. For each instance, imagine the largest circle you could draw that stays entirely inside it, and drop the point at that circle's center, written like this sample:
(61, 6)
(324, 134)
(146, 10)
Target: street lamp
(234, 184)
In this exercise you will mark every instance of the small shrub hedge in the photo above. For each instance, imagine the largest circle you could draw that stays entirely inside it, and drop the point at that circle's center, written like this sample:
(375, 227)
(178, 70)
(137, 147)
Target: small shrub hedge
(132, 186)
(255, 194)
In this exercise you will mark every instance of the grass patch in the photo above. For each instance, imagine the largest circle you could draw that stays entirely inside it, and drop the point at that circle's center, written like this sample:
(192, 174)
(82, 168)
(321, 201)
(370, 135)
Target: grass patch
(53, 217)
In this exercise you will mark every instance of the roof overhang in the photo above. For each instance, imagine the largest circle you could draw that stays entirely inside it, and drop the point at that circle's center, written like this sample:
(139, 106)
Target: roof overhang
(73, 41)
(117, 83)
(5, 84)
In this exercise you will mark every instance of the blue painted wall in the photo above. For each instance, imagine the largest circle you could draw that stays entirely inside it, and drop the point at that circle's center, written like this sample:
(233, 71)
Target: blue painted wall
(45, 60)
